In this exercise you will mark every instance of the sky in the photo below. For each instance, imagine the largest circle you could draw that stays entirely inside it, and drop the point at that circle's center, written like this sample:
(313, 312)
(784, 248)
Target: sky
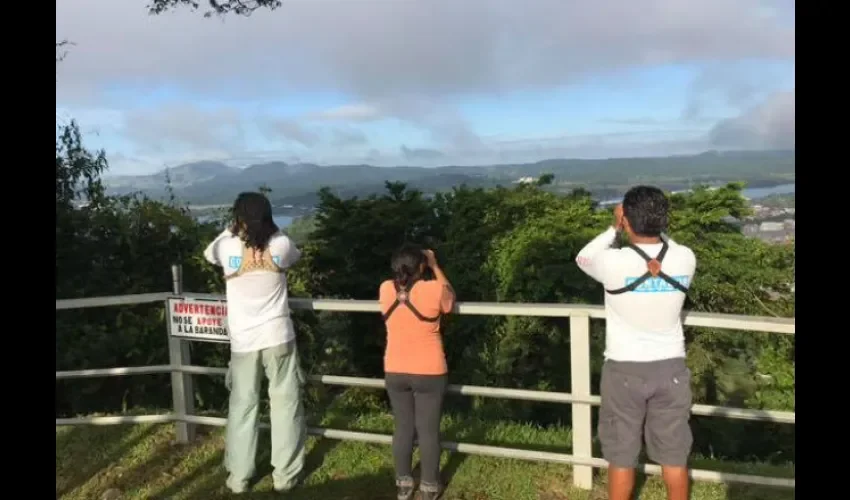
(426, 82)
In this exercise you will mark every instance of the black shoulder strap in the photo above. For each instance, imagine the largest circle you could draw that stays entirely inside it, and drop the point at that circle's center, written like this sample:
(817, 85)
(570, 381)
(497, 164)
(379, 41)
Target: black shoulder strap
(656, 262)
(402, 296)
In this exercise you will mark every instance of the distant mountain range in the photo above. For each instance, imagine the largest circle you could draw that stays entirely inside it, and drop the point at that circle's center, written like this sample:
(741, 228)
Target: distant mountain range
(209, 182)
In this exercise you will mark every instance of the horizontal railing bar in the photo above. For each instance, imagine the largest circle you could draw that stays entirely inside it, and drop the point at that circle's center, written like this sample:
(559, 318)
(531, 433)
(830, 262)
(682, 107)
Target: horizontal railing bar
(114, 372)
(701, 319)
(710, 320)
(126, 419)
(513, 453)
(201, 370)
(741, 322)
(114, 300)
(781, 417)
(527, 395)
(464, 390)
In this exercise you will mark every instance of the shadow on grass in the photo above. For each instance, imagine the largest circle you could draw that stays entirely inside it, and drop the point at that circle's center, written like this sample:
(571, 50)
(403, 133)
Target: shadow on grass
(165, 457)
(377, 486)
(460, 431)
(750, 492)
(321, 448)
(737, 491)
(734, 491)
(212, 464)
(112, 444)
(195, 470)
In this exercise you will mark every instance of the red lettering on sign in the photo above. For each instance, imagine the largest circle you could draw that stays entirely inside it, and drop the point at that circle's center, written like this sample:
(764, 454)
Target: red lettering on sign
(206, 309)
(206, 321)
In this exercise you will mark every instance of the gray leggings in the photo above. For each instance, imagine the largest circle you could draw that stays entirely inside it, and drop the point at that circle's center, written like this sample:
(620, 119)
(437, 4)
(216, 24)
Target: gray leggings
(417, 402)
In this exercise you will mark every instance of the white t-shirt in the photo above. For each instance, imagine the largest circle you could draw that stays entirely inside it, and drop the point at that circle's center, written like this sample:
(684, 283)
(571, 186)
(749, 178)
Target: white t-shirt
(257, 308)
(644, 324)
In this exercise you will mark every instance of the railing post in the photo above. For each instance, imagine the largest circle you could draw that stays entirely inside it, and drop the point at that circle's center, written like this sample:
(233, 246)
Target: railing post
(182, 390)
(580, 386)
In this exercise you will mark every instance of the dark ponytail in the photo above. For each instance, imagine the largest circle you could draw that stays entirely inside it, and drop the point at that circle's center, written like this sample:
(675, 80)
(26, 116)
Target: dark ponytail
(253, 220)
(407, 264)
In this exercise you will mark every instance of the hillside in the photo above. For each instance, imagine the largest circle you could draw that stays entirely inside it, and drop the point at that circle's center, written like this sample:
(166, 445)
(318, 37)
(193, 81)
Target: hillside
(296, 184)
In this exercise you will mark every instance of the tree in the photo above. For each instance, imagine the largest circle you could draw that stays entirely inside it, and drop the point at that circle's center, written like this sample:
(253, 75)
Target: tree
(61, 52)
(301, 228)
(216, 7)
(113, 246)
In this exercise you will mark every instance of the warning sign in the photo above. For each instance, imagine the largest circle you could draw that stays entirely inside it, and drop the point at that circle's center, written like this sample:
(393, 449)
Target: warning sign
(198, 319)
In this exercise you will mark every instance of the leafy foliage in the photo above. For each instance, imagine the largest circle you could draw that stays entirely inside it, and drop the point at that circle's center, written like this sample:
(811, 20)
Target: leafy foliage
(301, 228)
(114, 246)
(519, 245)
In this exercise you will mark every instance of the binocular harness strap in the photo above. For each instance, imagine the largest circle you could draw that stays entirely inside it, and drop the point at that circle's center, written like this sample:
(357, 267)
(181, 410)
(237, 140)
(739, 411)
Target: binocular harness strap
(653, 270)
(402, 296)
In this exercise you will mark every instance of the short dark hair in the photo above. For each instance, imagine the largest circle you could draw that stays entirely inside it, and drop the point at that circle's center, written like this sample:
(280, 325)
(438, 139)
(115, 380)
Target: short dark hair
(253, 220)
(646, 208)
(407, 264)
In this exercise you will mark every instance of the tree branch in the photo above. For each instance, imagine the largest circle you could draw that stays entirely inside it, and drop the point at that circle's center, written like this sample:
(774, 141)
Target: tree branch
(763, 305)
(60, 54)
(217, 7)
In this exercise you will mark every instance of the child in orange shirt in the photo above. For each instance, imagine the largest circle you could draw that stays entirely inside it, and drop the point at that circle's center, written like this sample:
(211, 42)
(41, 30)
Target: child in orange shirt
(415, 364)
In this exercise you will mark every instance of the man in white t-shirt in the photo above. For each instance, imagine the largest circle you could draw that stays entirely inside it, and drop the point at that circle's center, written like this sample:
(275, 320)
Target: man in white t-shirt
(254, 255)
(645, 386)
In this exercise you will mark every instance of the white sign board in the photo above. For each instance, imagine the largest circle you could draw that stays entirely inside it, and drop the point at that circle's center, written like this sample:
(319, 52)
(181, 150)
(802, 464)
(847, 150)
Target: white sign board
(198, 319)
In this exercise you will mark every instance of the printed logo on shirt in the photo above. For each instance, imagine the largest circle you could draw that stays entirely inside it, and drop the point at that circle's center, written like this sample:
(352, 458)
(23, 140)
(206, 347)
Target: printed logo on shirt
(235, 261)
(658, 285)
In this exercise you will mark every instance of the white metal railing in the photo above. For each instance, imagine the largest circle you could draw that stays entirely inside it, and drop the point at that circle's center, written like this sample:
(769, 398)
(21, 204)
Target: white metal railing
(580, 397)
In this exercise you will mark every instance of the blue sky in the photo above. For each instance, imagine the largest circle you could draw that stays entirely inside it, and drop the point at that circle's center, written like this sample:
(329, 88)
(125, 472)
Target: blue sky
(409, 82)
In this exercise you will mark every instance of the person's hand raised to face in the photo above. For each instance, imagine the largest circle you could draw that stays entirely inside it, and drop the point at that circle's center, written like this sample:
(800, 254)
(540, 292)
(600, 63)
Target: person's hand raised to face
(618, 217)
(430, 258)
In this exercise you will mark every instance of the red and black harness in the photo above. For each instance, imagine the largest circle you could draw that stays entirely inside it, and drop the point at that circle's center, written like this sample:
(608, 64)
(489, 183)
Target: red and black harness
(402, 296)
(653, 270)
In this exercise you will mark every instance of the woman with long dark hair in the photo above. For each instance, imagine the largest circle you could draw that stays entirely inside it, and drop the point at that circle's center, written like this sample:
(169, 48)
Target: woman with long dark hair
(415, 364)
(254, 255)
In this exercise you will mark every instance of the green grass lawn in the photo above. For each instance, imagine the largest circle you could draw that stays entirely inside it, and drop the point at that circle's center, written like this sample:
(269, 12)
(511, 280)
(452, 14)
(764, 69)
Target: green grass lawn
(142, 462)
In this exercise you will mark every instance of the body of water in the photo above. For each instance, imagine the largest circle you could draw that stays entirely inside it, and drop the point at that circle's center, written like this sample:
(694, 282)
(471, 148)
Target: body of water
(282, 221)
(751, 193)
(755, 193)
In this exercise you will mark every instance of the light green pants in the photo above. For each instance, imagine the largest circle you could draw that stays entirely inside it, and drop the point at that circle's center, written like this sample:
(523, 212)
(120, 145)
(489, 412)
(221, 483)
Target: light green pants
(289, 427)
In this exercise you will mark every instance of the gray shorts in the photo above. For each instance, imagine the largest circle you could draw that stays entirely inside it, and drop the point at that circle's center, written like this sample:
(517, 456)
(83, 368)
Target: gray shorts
(649, 400)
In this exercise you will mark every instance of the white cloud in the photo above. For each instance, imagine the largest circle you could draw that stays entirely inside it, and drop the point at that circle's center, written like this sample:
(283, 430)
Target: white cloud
(769, 125)
(382, 49)
(350, 113)
(409, 60)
